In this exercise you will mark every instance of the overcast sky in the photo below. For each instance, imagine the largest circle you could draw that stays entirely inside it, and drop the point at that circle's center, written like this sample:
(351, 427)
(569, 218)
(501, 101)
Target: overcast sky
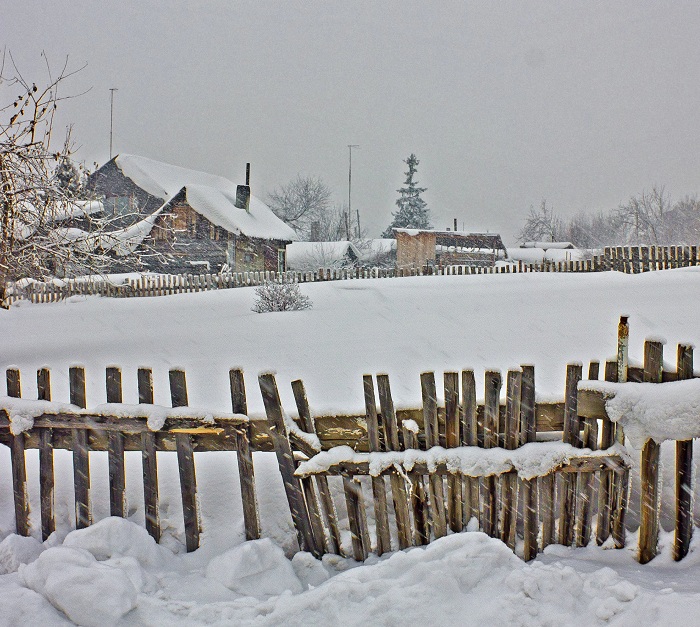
(504, 102)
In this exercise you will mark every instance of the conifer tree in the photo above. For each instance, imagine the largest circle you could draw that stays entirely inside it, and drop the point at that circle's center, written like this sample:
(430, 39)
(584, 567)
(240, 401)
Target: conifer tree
(413, 212)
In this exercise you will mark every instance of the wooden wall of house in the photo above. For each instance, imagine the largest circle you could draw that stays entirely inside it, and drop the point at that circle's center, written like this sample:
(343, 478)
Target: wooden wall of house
(413, 251)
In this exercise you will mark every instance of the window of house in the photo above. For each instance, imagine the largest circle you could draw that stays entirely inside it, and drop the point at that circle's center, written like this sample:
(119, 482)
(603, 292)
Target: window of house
(281, 260)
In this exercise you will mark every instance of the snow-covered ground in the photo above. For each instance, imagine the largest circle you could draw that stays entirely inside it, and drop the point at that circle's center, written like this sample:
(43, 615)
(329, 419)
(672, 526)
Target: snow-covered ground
(114, 573)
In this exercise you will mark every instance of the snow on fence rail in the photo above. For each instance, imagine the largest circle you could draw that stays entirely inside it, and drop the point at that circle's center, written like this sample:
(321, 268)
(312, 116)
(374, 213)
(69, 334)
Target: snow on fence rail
(492, 464)
(628, 259)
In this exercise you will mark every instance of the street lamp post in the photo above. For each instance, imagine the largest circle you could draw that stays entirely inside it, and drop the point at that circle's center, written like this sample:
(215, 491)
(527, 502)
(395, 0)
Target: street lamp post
(111, 117)
(347, 228)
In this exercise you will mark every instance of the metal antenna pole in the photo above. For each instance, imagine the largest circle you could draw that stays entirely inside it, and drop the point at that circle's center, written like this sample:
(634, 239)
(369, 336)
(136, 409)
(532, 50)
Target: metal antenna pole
(350, 147)
(111, 117)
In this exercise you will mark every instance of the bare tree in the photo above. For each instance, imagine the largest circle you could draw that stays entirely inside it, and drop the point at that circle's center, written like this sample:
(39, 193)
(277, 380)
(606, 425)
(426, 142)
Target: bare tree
(301, 202)
(642, 218)
(542, 225)
(39, 215)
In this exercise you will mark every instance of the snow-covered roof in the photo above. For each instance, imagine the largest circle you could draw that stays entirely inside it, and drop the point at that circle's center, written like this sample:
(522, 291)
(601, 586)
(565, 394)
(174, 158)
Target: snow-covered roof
(219, 207)
(371, 248)
(548, 245)
(301, 255)
(212, 196)
(120, 241)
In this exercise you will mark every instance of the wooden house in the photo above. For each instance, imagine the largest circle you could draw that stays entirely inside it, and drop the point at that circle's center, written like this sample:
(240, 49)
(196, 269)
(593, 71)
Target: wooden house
(417, 248)
(204, 226)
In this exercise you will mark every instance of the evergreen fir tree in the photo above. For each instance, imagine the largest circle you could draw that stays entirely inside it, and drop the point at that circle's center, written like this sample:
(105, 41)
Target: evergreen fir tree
(68, 178)
(413, 212)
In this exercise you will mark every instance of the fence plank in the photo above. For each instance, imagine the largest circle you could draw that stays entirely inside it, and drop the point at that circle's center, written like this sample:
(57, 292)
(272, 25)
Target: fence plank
(398, 487)
(81, 458)
(492, 394)
(649, 515)
(454, 482)
(430, 425)
(149, 460)
(17, 457)
(381, 510)
(684, 469)
(117, 481)
(606, 492)
(586, 479)
(46, 468)
(244, 456)
(357, 518)
(186, 465)
(285, 460)
(567, 482)
(509, 481)
(469, 438)
(421, 531)
(312, 502)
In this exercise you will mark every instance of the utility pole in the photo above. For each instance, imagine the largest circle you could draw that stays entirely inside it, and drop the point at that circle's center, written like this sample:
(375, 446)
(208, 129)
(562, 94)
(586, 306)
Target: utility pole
(111, 117)
(350, 147)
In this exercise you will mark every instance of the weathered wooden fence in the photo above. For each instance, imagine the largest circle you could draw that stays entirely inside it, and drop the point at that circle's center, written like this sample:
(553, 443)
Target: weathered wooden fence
(545, 472)
(628, 259)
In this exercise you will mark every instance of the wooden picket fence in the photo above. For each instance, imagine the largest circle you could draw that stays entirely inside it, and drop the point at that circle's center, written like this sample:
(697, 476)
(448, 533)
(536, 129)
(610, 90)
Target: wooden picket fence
(628, 259)
(425, 471)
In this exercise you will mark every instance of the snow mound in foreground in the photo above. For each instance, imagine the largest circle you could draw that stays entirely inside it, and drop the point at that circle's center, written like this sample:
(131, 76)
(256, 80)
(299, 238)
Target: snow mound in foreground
(88, 592)
(257, 568)
(16, 550)
(117, 537)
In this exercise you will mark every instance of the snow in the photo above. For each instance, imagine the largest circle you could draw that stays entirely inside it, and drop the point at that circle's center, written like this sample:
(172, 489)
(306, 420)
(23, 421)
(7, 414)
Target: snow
(400, 326)
(657, 411)
(532, 460)
(308, 256)
(22, 412)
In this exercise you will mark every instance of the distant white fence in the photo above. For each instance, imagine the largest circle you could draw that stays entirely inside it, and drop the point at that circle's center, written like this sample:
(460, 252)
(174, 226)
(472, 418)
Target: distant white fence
(627, 259)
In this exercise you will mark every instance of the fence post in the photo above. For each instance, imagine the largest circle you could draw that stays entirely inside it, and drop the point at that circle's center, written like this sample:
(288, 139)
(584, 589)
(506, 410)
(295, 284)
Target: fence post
(684, 469)
(117, 483)
(19, 468)
(649, 523)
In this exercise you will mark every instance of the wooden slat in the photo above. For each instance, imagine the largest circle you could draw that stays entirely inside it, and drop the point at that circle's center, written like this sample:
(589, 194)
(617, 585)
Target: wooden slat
(530, 518)
(567, 482)
(509, 483)
(452, 424)
(81, 458)
(492, 393)
(17, 458)
(606, 485)
(586, 480)
(470, 437)
(312, 502)
(419, 506)
(435, 483)
(684, 469)
(547, 505)
(398, 487)
(356, 518)
(527, 404)
(244, 456)
(117, 480)
(46, 467)
(649, 514)
(186, 465)
(381, 511)
(149, 460)
(285, 460)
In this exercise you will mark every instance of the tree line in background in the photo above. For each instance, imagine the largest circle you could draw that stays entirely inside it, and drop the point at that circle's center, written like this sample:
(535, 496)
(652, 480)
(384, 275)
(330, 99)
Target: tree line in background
(649, 218)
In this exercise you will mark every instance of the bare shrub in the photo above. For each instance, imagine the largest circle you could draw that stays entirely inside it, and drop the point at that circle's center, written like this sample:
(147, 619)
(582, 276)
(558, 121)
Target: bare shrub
(273, 296)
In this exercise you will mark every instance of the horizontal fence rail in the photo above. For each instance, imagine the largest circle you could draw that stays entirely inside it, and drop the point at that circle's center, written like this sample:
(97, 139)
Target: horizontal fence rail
(627, 259)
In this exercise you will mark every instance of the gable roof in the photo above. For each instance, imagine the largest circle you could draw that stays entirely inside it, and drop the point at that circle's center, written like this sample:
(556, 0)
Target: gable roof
(213, 197)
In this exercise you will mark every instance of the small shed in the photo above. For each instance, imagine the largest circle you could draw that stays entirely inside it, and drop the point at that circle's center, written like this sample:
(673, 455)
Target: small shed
(416, 248)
